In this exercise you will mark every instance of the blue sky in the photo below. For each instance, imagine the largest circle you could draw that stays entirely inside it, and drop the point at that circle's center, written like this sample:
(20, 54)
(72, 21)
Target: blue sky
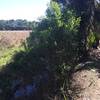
(22, 9)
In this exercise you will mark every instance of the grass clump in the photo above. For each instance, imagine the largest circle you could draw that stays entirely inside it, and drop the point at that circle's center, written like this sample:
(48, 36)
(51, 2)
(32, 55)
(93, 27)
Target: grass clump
(8, 54)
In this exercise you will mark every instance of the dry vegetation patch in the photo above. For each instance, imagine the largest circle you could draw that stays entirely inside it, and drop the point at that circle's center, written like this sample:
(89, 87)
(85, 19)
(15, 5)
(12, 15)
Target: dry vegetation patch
(10, 43)
(12, 38)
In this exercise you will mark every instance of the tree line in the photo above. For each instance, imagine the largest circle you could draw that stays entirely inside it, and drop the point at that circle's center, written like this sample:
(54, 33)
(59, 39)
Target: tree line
(18, 24)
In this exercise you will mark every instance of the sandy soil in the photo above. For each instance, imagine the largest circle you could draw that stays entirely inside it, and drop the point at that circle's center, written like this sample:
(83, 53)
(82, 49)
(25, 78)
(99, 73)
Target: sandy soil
(86, 83)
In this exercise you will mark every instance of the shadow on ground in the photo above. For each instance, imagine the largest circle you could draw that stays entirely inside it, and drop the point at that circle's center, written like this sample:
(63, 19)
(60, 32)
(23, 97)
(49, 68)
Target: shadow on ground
(27, 77)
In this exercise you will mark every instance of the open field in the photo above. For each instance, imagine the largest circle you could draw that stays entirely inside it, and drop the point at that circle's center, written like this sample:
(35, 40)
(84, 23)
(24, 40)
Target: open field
(12, 38)
(10, 42)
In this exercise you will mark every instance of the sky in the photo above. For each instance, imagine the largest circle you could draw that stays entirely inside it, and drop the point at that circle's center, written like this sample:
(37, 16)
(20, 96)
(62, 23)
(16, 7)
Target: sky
(22, 9)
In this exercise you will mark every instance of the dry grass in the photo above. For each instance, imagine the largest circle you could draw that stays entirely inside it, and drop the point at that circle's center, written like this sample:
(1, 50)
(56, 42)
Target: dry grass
(12, 38)
(9, 42)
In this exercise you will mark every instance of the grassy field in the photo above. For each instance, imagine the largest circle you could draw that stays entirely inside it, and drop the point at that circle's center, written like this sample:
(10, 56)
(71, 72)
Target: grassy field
(10, 43)
(12, 38)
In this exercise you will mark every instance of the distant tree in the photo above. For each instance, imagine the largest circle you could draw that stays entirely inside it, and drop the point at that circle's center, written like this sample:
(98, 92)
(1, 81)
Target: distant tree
(16, 24)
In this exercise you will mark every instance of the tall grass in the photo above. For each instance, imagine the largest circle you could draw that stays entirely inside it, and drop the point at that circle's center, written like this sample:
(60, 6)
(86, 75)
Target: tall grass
(7, 55)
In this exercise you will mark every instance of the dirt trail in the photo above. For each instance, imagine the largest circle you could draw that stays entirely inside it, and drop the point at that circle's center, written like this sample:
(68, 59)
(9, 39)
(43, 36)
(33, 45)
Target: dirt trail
(86, 83)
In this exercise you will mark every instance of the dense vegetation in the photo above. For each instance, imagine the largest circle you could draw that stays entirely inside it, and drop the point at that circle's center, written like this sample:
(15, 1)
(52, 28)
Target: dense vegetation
(56, 45)
(16, 24)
